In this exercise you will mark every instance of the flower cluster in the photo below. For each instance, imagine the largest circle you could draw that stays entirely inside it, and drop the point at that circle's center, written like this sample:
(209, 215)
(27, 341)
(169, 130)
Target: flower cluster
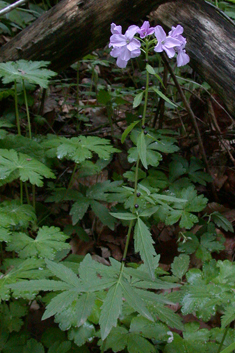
(127, 46)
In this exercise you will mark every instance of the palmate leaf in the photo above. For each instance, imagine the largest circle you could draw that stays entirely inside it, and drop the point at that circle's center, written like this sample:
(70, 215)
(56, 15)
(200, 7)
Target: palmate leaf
(82, 334)
(228, 316)
(33, 72)
(144, 245)
(23, 167)
(180, 265)
(29, 268)
(48, 242)
(78, 149)
(12, 213)
(11, 316)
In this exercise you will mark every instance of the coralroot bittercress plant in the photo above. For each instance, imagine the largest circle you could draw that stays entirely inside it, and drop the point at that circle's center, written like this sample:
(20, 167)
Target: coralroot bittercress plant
(120, 307)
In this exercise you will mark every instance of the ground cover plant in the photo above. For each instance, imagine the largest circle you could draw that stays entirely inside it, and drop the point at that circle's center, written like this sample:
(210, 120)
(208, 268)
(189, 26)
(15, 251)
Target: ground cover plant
(112, 235)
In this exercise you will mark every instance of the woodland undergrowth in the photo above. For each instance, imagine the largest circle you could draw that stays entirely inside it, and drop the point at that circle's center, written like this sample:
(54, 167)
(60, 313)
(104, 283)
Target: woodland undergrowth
(111, 230)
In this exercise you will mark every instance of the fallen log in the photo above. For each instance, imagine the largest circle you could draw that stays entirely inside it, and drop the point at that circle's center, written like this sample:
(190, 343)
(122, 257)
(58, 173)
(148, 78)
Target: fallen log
(211, 43)
(74, 28)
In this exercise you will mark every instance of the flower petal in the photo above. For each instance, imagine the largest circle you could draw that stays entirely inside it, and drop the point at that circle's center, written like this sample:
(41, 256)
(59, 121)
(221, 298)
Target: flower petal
(182, 58)
(121, 63)
(170, 52)
(160, 33)
(158, 47)
(171, 42)
(134, 44)
(117, 40)
(131, 31)
(116, 29)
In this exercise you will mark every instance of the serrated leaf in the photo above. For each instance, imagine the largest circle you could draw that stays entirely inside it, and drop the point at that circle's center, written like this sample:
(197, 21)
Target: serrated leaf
(33, 346)
(47, 243)
(168, 316)
(33, 72)
(63, 273)
(59, 303)
(110, 310)
(5, 235)
(138, 344)
(138, 99)
(23, 167)
(180, 265)
(103, 214)
(116, 340)
(82, 334)
(60, 347)
(134, 300)
(152, 330)
(79, 209)
(78, 149)
(12, 213)
(228, 316)
(144, 245)
(11, 316)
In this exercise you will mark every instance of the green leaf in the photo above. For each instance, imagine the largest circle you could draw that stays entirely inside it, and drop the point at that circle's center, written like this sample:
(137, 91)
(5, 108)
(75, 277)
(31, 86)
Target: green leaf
(229, 349)
(110, 310)
(128, 130)
(23, 167)
(82, 334)
(12, 213)
(152, 330)
(5, 235)
(47, 243)
(222, 221)
(33, 346)
(138, 344)
(125, 216)
(63, 273)
(144, 245)
(79, 209)
(168, 316)
(180, 265)
(33, 72)
(116, 340)
(134, 300)
(59, 303)
(150, 69)
(11, 316)
(78, 149)
(103, 214)
(138, 99)
(160, 94)
(228, 316)
(60, 347)
(142, 150)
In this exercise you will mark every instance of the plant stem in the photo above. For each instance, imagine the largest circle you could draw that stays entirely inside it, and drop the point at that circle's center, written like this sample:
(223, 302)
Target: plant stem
(223, 338)
(34, 197)
(72, 176)
(17, 112)
(137, 165)
(21, 192)
(27, 110)
(27, 193)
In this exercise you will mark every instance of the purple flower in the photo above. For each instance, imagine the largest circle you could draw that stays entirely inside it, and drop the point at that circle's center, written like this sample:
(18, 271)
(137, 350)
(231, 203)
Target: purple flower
(182, 56)
(165, 43)
(145, 30)
(116, 29)
(125, 46)
(176, 32)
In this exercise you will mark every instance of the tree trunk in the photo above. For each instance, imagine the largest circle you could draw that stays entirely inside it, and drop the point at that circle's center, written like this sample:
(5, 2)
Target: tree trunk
(210, 43)
(74, 28)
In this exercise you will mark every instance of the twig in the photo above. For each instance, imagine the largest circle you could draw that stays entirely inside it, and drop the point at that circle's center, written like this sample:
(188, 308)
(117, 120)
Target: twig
(192, 117)
(12, 7)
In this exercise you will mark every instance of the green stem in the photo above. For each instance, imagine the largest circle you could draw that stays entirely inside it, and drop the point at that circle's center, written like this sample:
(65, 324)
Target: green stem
(34, 196)
(21, 192)
(216, 3)
(137, 166)
(27, 193)
(223, 338)
(27, 110)
(72, 176)
(146, 89)
(17, 112)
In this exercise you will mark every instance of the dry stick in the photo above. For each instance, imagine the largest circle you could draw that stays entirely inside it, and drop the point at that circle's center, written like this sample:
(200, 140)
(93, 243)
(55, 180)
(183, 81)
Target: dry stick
(192, 117)
(12, 7)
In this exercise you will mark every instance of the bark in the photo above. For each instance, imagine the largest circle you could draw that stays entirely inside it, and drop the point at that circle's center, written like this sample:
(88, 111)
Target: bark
(211, 45)
(74, 28)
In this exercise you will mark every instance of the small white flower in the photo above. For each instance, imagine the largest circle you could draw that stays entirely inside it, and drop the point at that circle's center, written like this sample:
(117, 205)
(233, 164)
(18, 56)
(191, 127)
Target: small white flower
(171, 338)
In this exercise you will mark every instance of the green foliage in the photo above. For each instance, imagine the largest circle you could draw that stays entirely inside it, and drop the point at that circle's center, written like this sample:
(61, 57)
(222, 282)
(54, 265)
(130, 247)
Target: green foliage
(33, 72)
